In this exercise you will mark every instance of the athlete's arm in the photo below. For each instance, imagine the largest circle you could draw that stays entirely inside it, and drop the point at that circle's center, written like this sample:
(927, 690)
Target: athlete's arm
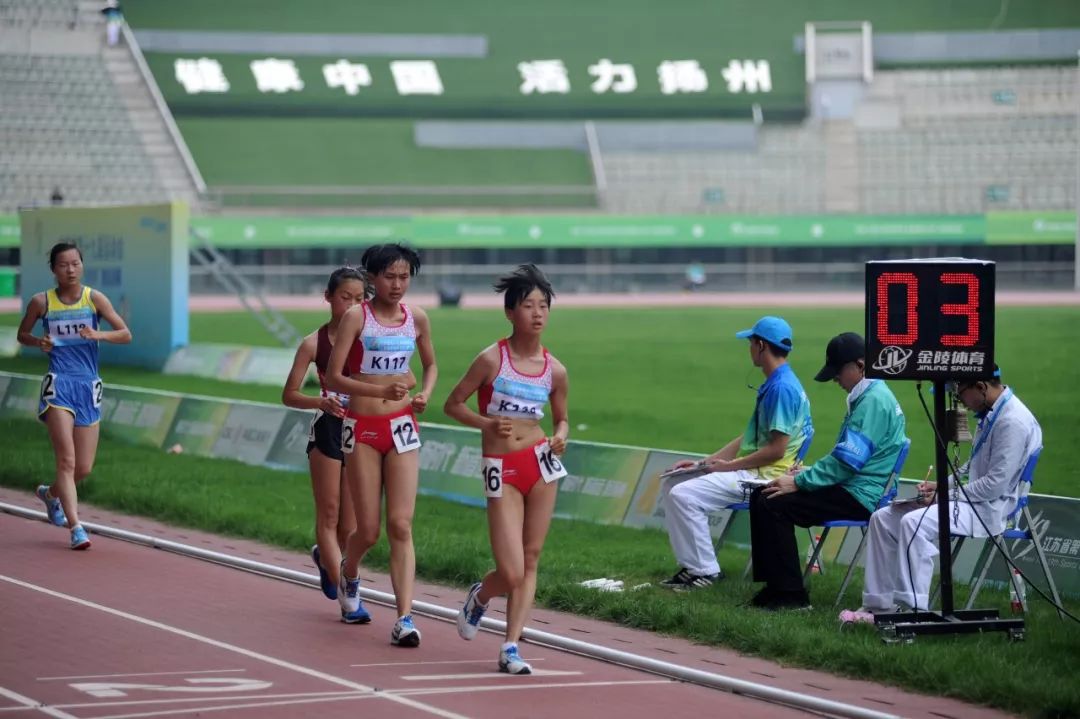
(119, 335)
(349, 329)
(427, 360)
(292, 394)
(483, 369)
(560, 420)
(35, 310)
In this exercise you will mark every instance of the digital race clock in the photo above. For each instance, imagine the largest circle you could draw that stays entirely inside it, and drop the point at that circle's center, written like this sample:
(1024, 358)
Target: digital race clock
(930, 319)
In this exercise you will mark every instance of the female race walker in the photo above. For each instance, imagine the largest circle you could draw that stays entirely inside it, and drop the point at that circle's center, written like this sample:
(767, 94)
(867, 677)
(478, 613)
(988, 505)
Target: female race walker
(334, 518)
(380, 435)
(71, 391)
(514, 379)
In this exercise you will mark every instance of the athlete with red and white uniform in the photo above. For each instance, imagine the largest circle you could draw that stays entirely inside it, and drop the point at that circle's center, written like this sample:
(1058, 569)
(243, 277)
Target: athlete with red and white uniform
(380, 435)
(514, 379)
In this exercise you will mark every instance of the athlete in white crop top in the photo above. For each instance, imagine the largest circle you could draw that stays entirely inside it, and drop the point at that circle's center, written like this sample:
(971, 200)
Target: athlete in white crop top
(514, 379)
(380, 434)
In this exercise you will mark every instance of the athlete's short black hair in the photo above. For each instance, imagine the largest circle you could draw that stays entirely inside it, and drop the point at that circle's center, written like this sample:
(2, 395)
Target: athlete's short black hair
(62, 247)
(517, 285)
(378, 257)
(341, 274)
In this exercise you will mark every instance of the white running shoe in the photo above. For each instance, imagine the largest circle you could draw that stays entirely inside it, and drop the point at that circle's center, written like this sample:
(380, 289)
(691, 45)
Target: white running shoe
(511, 662)
(348, 596)
(468, 619)
(405, 633)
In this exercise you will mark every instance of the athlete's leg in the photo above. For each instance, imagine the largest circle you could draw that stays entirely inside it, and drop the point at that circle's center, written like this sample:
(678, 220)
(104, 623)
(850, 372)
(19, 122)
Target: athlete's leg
(363, 468)
(86, 445)
(61, 425)
(506, 520)
(539, 506)
(401, 474)
(346, 523)
(326, 488)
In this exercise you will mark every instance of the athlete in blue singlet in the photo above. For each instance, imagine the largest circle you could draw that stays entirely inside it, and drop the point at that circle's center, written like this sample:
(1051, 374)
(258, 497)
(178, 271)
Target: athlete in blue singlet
(71, 391)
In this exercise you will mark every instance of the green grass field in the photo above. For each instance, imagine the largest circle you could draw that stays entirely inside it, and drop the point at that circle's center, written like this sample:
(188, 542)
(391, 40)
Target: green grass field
(676, 378)
(1035, 678)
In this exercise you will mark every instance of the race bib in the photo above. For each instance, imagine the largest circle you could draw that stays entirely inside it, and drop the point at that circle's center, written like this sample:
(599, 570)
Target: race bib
(311, 427)
(406, 436)
(348, 435)
(48, 387)
(98, 390)
(551, 468)
(492, 472)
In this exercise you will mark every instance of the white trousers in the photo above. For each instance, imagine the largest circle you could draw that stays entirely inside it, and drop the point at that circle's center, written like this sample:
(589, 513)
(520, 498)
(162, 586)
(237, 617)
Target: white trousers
(687, 506)
(890, 578)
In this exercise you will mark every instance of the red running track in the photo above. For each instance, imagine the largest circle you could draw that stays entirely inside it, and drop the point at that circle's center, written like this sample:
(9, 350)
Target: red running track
(125, 631)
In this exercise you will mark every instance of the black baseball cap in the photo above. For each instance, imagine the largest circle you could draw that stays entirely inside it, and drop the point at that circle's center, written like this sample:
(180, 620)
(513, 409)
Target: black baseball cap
(843, 348)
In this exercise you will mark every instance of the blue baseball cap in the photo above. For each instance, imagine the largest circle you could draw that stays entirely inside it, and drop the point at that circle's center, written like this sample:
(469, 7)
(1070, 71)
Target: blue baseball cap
(773, 330)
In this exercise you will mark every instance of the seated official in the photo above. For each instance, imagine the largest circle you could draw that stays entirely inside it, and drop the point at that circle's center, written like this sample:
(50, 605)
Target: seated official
(845, 484)
(1007, 435)
(766, 449)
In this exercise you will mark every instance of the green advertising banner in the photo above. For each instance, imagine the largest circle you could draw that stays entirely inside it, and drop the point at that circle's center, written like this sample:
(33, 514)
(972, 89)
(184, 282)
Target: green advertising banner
(607, 484)
(142, 417)
(289, 449)
(237, 363)
(510, 231)
(21, 396)
(1024, 228)
(197, 424)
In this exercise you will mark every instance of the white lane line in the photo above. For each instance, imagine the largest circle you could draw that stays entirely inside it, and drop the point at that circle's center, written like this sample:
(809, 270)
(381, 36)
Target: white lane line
(143, 674)
(28, 703)
(191, 700)
(307, 671)
(525, 685)
(249, 705)
(397, 692)
(438, 661)
(488, 675)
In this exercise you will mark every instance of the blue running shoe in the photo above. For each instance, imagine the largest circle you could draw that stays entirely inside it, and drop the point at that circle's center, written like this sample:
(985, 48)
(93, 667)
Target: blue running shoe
(468, 619)
(405, 634)
(328, 587)
(79, 538)
(52, 506)
(348, 596)
(511, 662)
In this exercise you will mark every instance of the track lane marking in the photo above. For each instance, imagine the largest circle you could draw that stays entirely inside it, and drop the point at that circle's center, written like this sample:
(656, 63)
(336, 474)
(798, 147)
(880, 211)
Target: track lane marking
(28, 703)
(141, 674)
(488, 675)
(251, 654)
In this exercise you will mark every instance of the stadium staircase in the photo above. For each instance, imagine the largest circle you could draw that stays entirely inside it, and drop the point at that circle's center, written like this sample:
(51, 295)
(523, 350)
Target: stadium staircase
(78, 116)
(204, 253)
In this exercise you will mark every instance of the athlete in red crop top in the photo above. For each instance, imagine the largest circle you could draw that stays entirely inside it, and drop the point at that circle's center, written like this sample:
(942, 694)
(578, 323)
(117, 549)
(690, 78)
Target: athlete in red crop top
(334, 516)
(380, 434)
(514, 379)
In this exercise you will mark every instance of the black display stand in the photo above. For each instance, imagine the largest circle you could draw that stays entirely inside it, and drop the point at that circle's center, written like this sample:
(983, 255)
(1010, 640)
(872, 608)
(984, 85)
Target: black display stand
(905, 626)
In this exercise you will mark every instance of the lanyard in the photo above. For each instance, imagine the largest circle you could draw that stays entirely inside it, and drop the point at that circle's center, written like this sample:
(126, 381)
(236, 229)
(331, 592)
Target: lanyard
(984, 432)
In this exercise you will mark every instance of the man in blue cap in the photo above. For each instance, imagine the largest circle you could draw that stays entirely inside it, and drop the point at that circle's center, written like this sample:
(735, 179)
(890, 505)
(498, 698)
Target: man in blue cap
(767, 449)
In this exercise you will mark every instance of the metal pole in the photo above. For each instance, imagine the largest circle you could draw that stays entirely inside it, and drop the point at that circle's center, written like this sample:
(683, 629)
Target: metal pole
(595, 651)
(944, 535)
(1076, 188)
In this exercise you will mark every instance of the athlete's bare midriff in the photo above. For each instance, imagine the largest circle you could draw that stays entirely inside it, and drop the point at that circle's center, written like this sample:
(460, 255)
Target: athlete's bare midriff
(524, 434)
(372, 406)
